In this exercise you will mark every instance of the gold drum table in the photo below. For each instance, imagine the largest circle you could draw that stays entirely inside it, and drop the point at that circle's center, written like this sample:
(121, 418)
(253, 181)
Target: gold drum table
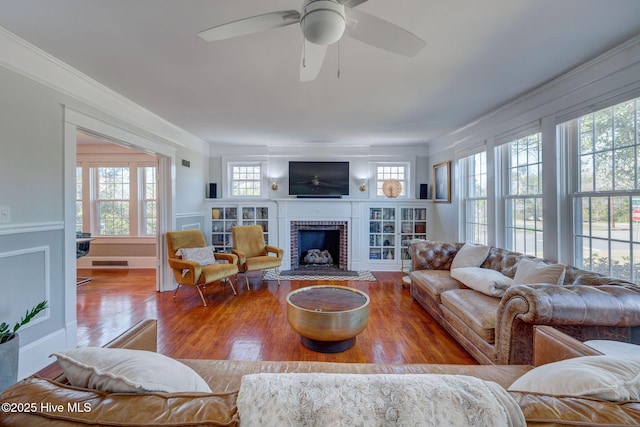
(328, 318)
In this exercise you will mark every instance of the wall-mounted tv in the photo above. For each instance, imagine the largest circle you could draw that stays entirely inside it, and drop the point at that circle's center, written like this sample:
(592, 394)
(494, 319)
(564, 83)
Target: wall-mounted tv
(318, 179)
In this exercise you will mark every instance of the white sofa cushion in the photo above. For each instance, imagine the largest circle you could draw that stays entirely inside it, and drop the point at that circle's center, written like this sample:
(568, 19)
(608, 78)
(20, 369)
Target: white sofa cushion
(530, 272)
(489, 282)
(613, 378)
(470, 255)
(125, 370)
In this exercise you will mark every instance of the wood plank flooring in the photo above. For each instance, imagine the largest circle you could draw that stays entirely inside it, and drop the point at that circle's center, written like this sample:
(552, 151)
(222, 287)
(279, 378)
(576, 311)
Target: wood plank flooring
(253, 325)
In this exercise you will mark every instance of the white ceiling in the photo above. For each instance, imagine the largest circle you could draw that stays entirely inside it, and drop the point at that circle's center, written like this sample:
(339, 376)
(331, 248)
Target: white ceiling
(479, 55)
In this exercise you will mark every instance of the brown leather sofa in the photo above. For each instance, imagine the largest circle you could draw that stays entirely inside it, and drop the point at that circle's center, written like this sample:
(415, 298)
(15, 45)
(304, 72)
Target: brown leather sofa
(223, 376)
(500, 330)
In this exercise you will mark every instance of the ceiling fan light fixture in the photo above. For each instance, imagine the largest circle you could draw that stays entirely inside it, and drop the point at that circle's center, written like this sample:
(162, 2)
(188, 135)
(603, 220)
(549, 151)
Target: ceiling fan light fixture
(323, 21)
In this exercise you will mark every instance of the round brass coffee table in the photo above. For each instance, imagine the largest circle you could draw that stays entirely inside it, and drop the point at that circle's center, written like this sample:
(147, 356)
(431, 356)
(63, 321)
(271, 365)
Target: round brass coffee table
(328, 318)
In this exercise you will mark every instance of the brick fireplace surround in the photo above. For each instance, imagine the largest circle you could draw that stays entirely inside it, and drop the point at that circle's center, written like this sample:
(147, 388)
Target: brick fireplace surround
(341, 226)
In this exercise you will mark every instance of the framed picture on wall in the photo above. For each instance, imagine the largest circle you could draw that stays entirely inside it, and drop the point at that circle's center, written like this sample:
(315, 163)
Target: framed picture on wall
(442, 182)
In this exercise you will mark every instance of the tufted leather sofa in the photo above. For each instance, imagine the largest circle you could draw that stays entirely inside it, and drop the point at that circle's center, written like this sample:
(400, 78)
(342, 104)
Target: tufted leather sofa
(37, 396)
(500, 330)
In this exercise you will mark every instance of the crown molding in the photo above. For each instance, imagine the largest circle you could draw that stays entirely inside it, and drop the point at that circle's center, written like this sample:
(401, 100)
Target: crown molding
(549, 95)
(22, 57)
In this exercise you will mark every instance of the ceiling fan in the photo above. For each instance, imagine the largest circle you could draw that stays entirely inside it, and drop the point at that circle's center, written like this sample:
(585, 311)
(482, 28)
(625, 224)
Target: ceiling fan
(323, 22)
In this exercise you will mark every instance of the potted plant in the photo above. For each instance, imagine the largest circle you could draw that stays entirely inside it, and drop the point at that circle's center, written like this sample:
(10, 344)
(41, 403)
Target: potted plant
(10, 347)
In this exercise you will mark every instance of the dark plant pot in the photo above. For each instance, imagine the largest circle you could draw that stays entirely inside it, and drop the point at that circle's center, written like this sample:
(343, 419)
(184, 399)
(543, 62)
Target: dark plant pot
(9, 352)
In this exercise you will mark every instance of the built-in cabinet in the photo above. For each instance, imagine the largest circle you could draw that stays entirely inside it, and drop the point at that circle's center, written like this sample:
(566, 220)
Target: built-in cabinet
(227, 215)
(379, 231)
(390, 229)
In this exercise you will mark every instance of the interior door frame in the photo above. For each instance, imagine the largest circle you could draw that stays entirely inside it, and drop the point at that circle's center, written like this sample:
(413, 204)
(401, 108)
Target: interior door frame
(75, 121)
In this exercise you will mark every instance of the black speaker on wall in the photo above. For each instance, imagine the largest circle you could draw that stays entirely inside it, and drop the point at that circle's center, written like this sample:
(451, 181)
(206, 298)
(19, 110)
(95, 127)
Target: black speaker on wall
(423, 191)
(213, 190)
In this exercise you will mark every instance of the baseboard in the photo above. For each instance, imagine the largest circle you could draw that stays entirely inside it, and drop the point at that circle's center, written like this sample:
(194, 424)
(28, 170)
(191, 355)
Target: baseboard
(110, 262)
(35, 356)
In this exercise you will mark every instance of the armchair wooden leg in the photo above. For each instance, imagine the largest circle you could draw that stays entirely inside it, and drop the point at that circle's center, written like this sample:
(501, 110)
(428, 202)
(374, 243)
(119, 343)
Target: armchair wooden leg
(201, 296)
(278, 275)
(227, 280)
(174, 294)
(246, 279)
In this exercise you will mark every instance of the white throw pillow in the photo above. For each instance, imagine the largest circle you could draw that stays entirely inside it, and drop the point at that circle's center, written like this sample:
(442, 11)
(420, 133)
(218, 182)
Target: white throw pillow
(470, 255)
(485, 280)
(203, 256)
(124, 370)
(613, 378)
(614, 347)
(530, 272)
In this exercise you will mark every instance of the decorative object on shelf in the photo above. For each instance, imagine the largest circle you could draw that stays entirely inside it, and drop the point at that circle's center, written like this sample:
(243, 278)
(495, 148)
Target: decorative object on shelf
(10, 347)
(215, 213)
(392, 188)
(442, 182)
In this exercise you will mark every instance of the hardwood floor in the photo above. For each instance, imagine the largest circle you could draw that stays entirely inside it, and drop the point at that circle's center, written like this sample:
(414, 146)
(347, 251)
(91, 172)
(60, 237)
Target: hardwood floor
(253, 324)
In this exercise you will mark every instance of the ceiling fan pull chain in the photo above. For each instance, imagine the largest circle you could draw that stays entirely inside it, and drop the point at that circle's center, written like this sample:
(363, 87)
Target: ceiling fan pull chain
(338, 73)
(304, 45)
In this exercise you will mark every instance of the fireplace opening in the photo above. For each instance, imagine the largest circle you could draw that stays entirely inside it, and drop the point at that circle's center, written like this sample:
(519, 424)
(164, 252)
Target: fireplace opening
(330, 236)
(319, 248)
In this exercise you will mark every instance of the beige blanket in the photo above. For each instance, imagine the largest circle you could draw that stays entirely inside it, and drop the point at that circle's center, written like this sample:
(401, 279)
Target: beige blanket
(317, 399)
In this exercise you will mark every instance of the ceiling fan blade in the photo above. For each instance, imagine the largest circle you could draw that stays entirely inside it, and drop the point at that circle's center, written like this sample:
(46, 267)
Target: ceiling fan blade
(382, 34)
(311, 61)
(351, 3)
(251, 25)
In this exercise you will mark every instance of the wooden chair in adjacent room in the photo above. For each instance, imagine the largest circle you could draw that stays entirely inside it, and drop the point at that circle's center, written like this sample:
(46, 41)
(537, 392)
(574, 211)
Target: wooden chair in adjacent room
(252, 251)
(195, 264)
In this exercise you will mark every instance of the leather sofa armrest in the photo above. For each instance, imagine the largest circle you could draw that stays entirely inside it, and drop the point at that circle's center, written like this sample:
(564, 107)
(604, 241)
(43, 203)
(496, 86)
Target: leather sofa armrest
(142, 336)
(575, 305)
(551, 345)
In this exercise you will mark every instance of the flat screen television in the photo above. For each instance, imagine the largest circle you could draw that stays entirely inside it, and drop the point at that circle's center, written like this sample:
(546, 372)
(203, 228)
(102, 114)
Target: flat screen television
(318, 179)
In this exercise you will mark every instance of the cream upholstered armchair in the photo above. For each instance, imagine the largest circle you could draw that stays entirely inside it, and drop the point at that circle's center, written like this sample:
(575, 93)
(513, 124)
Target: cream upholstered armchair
(253, 252)
(195, 264)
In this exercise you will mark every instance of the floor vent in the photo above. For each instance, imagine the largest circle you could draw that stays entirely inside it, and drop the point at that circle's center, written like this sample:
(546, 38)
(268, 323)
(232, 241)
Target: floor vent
(123, 263)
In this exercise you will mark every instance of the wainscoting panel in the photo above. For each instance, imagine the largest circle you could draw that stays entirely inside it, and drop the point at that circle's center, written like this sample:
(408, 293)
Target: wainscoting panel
(29, 271)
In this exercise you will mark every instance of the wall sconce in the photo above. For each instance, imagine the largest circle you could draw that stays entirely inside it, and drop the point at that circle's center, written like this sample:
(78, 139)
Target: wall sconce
(274, 185)
(363, 186)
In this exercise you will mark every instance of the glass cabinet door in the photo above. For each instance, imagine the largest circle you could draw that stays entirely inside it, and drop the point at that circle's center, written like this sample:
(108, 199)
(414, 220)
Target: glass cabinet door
(382, 233)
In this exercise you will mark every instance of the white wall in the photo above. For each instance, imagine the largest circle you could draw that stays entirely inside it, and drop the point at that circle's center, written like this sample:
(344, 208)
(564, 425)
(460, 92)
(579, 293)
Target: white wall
(608, 79)
(37, 249)
(360, 158)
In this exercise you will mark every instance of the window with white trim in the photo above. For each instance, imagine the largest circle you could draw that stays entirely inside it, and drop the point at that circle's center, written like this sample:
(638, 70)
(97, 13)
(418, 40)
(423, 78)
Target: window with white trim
(112, 200)
(474, 169)
(606, 197)
(79, 213)
(397, 171)
(148, 200)
(523, 195)
(246, 180)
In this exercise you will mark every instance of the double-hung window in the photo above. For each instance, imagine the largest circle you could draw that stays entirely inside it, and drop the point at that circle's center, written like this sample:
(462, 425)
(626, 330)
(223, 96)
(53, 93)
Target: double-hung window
(112, 200)
(246, 180)
(523, 195)
(474, 169)
(606, 194)
(79, 212)
(148, 200)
